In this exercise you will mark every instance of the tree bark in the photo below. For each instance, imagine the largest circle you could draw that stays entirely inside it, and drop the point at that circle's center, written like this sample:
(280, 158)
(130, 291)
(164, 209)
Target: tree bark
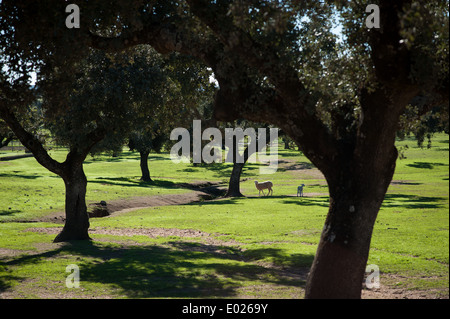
(144, 166)
(235, 181)
(358, 179)
(286, 144)
(355, 199)
(77, 219)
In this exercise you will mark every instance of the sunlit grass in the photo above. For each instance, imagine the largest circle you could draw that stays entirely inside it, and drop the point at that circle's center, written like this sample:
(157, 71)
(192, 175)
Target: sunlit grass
(252, 246)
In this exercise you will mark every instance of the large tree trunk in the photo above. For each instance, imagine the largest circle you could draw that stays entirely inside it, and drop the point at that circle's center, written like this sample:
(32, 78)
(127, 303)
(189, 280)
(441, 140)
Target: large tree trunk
(356, 196)
(358, 179)
(77, 218)
(235, 181)
(144, 167)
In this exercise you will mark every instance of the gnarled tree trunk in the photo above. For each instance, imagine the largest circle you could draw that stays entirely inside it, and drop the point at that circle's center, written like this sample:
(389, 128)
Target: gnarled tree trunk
(234, 185)
(77, 219)
(356, 196)
(71, 171)
(358, 180)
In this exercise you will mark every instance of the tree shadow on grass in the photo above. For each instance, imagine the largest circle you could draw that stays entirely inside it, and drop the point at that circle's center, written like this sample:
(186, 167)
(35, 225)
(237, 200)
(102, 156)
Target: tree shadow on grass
(425, 165)
(322, 201)
(132, 182)
(289, 153)
(9, 212)
(223, 170)
(6, 280)
(25, 176)
(178, 269)
(297, 166)
(413, 201)
(212, 188)
(276, 255)
(221, 201)
(124, 156)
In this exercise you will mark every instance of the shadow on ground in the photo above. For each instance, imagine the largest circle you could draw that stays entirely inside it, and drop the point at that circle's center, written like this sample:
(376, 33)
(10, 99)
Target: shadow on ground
(177, 269)
(413, 201)
(426, 165)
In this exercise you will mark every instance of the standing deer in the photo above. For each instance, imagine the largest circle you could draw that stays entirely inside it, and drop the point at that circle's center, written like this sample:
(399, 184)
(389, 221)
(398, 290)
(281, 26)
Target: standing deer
(264, 185)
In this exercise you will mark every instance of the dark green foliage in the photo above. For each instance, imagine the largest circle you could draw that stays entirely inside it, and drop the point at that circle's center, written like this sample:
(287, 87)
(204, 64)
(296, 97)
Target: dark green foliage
(108, 91)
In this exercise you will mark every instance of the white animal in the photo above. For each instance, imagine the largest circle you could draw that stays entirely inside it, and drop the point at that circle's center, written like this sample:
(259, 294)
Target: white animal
(300, 190)
(264, 185)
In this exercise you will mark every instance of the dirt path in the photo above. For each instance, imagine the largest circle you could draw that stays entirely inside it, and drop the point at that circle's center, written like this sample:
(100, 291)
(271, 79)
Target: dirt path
(198, 191)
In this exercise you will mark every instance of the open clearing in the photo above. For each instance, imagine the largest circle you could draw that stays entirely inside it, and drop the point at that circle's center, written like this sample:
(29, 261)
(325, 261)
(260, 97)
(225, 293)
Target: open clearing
(176, 238)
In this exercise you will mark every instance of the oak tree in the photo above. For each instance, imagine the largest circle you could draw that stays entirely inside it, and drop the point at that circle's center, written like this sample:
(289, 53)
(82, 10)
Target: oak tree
(98, 101)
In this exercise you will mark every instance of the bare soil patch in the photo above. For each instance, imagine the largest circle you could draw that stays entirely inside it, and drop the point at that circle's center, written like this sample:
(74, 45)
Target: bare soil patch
(200, 190)
(301, 170)
(389, 292)
(207, 238)
(150, 232)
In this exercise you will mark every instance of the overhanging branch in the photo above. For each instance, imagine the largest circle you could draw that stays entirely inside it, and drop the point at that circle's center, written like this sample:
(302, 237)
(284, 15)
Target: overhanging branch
(29, 141)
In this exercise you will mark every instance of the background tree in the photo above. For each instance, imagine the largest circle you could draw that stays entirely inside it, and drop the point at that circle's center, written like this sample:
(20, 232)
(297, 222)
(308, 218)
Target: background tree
(245, 152)
(423, 118)
(144, 141)
(187, 96)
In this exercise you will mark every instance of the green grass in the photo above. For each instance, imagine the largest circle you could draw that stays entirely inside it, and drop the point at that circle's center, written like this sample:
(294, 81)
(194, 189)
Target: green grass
(246, 247)
(29, 190)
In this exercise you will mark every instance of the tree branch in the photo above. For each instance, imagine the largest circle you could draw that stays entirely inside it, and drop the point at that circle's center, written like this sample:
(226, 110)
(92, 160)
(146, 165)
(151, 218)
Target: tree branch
(254, 54)
(290, 105)
(30, 141)
(247, 100)
(164, 38)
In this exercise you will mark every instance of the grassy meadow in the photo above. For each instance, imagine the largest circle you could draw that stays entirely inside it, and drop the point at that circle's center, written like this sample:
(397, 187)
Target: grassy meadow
(252, 247)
